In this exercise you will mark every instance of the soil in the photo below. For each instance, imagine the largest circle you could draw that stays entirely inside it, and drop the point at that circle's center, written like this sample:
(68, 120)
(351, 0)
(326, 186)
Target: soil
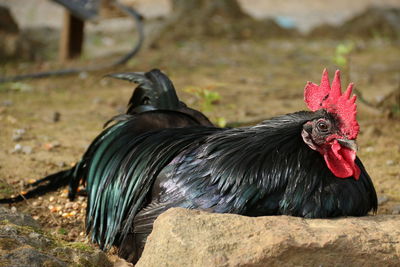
(255, 79)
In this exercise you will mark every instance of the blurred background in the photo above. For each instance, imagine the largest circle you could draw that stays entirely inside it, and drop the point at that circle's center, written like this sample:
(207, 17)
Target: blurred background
(237, 61)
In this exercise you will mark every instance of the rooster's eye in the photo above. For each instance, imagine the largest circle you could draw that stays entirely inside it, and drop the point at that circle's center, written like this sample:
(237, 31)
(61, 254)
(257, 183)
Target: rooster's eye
(322, 126)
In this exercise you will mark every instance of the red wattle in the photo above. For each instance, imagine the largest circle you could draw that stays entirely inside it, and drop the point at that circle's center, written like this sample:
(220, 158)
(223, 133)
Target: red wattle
(340, 160)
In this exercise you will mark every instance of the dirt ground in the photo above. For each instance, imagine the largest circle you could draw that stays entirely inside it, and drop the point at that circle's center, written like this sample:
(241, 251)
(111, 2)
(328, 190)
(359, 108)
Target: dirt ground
(46, 125)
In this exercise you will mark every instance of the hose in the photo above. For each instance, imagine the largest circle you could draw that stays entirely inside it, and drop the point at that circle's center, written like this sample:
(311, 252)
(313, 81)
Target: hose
(122, 60)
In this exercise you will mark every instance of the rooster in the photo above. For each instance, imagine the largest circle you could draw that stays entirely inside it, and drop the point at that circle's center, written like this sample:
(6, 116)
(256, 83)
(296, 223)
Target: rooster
(154, 103)
(300, 164)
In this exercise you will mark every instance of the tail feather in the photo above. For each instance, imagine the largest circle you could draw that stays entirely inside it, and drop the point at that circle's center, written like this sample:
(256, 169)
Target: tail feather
(54, 181)
(155, 91)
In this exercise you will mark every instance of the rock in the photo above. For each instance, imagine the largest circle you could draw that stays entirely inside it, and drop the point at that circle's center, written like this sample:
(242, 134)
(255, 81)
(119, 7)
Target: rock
(56, 116)
(17, 218)
(18, 134)
(22, 243)
(18, 148)
(194, 238)
(30, 257)
(390, 162)
(396, 209)
(382, 199)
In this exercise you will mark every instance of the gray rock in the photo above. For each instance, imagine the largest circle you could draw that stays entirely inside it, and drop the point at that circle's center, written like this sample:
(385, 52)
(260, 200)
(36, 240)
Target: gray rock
(18, 134)
(22, 243)
(382, 199)
(17, 218)
(24, 257)
(193, 238)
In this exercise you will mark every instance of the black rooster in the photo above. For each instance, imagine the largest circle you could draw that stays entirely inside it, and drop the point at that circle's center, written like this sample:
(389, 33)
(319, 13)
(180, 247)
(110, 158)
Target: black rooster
(154, 103)
(301, 164)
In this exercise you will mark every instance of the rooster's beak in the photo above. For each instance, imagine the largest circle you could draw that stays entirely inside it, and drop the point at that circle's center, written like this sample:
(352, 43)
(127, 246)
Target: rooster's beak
(348, 143)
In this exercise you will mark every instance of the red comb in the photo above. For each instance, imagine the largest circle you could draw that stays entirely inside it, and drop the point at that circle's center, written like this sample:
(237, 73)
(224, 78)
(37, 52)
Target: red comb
(328, 97)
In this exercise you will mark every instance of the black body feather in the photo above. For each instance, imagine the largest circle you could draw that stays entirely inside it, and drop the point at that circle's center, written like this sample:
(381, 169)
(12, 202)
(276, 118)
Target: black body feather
(262, 170)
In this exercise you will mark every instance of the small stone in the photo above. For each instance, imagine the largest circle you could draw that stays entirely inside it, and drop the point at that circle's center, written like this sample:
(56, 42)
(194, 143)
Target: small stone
(35, 204)
(27, 150)
(69, 205)
(18, 134)
(396, 210)
(17, 148)
(51, 199)
(105, 82)
(75, 206)
(56, 208)
(56, 116)
(83, 75)
(97, 101)
(61, 164)
(370, 149)
(7, 103)
(382, 199)
(13, 209)
(390, 162)
(36, 218)
(34, 235)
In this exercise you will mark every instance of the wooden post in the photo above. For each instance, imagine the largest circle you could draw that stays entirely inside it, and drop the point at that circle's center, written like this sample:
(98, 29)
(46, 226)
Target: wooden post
(71, 37)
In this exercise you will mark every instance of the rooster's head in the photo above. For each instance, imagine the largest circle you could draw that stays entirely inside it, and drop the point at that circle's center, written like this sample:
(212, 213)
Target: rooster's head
(335, 128)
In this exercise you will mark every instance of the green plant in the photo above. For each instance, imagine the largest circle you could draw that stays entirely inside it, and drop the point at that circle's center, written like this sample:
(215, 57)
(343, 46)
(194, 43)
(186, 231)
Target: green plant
(207, 99)
(63, 231)
(342, 54)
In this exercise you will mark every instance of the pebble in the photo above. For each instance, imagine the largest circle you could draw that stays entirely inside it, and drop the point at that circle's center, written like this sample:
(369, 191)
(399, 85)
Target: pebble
(27, 150)
(7, 103)
(382, 199)
(83, 75)
(75, 206)
(61, 164)
(396, 210)
(34, 235)
(69, 205)
(56, 116)
(18, 148)
(18, 134)
(390, 162)
(13, 209)
(35, 204)
(370, 149)
(51, 199)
